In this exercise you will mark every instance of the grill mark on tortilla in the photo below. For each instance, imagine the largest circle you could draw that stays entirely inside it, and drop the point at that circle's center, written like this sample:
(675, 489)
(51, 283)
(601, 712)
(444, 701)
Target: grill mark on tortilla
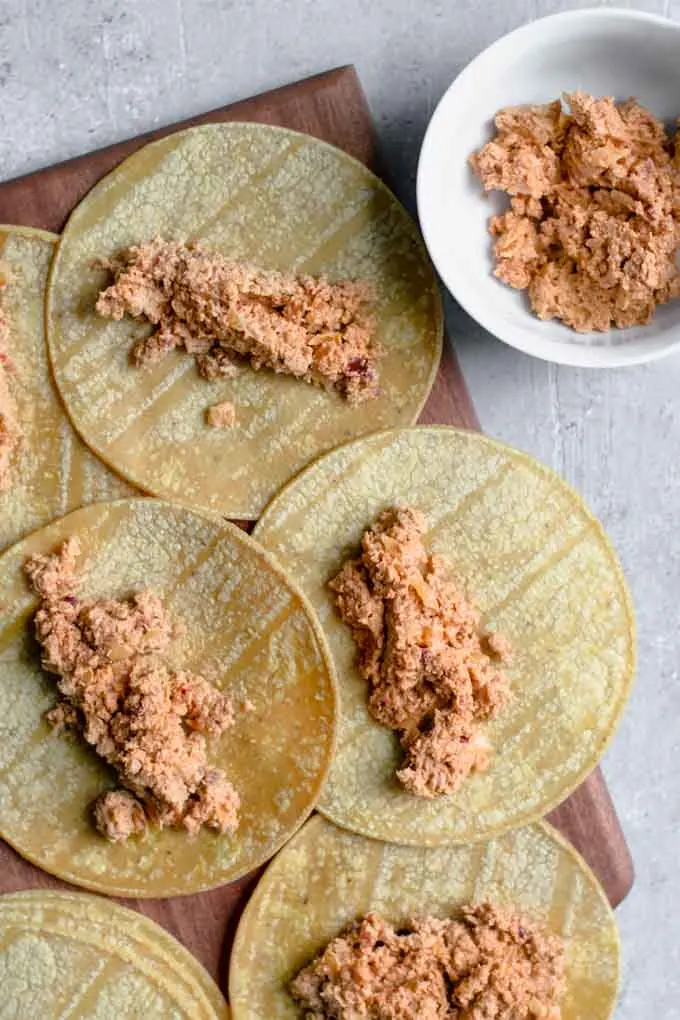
(259, 177)
(85, 997)
(536, 575)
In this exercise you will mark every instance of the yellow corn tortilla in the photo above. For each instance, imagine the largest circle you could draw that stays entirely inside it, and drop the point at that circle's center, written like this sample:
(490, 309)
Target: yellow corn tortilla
(53, 471)
(539, 567)
(77, 956)
(247, 629)
(263, 194)
(326, 877)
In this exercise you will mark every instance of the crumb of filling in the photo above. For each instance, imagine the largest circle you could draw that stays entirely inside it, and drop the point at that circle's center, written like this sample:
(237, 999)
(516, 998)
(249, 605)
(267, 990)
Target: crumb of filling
(221, 416)
(490, 963)
(146, 720)
(217, 310)
(434, 675)
(118, 814)
(10, 428)
(593, 228)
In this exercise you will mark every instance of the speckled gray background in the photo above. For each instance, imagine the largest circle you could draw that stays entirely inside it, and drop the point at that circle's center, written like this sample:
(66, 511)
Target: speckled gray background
(76, 74)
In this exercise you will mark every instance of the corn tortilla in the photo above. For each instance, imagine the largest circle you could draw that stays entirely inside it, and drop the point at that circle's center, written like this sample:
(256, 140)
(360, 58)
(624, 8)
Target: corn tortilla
(539, 567)
(53, 471)
(246, 629)
(66, 954)
(326, 877)
(262, 194)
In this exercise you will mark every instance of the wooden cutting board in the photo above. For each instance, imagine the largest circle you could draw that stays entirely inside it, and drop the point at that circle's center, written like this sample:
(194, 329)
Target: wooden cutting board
(332, 107)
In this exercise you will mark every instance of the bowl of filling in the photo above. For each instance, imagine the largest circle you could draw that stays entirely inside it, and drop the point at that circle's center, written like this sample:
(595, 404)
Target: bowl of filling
(549, 188)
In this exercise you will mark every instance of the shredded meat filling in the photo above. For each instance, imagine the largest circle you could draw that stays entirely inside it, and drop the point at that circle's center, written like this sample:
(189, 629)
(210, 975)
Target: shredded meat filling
(490, 963)
(218, 310)
(434, 676)
(146, 720)
(222, 415)
(593, 227)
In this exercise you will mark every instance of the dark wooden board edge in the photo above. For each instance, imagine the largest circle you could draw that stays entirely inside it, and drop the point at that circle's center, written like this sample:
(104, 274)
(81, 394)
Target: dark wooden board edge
(46, 197)
(333, 107)
(588, 810)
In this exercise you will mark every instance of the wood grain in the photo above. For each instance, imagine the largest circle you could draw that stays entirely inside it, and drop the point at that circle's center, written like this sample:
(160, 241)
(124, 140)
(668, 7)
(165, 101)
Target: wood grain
(332, 107)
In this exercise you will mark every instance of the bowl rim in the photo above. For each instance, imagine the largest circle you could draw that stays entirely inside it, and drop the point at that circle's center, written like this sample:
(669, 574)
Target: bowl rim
(574, 355)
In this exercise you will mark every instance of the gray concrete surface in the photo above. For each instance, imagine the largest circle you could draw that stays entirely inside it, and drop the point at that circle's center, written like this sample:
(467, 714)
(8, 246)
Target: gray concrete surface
(75, 74)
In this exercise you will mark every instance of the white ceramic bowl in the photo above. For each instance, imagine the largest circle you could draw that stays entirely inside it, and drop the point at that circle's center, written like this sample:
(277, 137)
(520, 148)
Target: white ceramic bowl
(604, 52)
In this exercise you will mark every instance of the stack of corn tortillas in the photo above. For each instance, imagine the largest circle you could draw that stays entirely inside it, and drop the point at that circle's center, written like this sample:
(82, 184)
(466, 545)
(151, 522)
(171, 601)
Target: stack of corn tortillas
(65, 954)
(259, 618)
